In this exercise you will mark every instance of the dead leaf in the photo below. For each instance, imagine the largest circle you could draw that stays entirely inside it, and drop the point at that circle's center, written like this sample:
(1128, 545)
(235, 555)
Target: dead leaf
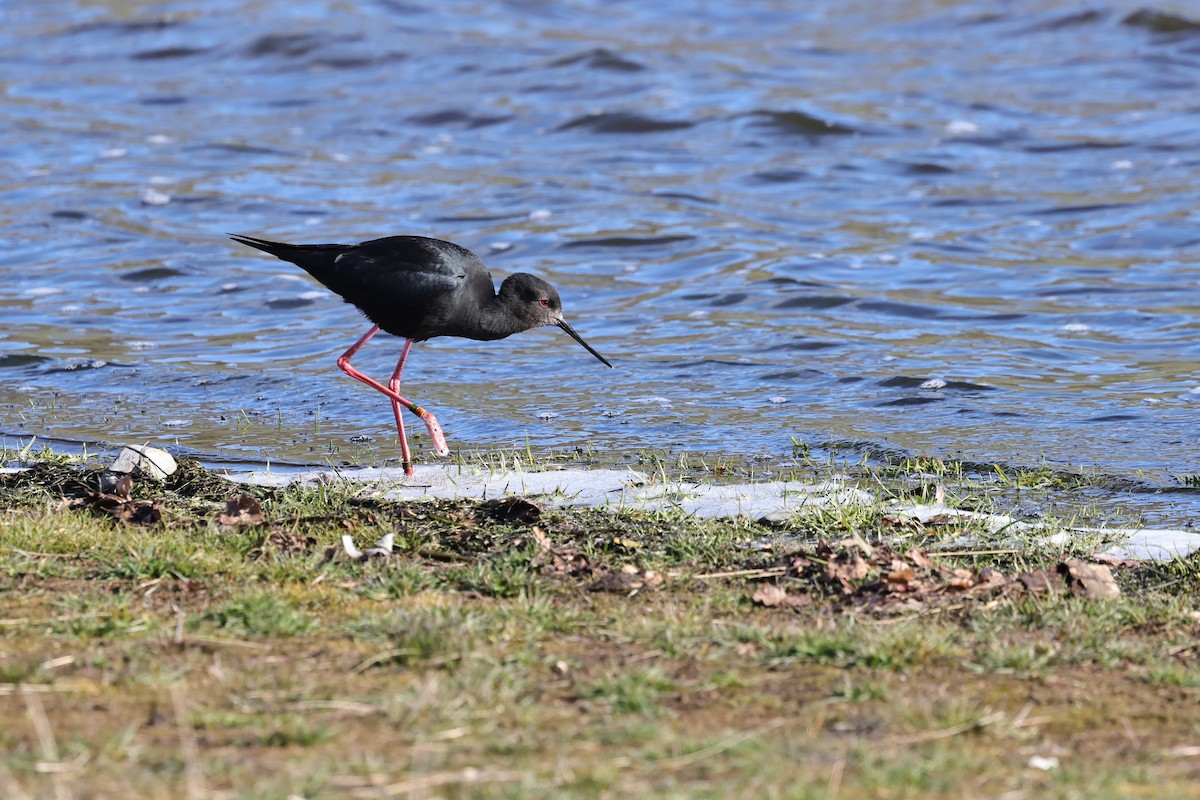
(1040, 581)
(136, 512)
(124, 487)
(991, 577)
(559, 559)
(773, 595)
(144, 512)
(514, 509)
(961, 579)
(1093, 581)
(845, 569)
(1113, 561)
(919, 559)
(244, 510)
(798, 564)
(769, 595)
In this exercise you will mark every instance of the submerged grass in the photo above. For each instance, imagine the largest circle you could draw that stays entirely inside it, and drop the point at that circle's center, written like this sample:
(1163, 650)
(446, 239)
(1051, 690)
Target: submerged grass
(558, 653)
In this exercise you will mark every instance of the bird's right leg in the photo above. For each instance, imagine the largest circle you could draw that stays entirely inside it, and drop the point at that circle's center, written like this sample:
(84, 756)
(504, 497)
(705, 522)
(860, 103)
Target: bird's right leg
(394, 386)
(435, 428)
(431, 422)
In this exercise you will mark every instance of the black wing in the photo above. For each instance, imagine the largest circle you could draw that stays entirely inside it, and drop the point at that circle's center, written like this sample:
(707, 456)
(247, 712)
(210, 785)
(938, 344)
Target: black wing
(410, 286)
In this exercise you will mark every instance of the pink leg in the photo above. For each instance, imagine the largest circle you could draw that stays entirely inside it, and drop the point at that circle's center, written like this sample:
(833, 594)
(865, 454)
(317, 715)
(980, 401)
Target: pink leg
(394, 385)
(435, 429)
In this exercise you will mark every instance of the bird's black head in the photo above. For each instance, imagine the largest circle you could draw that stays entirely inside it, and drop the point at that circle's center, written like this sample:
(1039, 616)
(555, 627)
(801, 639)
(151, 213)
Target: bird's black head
(531, 300)
(534, 303)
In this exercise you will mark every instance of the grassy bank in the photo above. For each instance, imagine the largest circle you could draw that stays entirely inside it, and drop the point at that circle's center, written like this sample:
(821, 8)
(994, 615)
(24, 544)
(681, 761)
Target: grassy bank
(163, 642)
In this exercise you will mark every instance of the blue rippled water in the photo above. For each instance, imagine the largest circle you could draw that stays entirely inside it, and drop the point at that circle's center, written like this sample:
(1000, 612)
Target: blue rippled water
(964, 229)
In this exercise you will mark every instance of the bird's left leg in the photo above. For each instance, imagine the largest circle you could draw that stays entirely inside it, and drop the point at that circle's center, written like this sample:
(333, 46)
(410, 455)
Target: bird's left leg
(435, 429)
(431, 422)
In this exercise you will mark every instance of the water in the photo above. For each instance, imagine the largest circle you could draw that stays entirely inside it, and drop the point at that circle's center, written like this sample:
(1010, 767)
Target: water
(949, 228)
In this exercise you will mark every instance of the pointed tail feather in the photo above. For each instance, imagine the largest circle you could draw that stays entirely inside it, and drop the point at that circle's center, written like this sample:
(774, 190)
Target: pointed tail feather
(315, 259)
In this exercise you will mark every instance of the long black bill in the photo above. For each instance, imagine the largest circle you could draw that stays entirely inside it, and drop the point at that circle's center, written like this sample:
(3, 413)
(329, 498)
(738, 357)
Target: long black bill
(562, 323)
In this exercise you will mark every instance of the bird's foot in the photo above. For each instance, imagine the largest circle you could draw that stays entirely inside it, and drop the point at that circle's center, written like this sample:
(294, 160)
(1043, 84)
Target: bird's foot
(435, 432)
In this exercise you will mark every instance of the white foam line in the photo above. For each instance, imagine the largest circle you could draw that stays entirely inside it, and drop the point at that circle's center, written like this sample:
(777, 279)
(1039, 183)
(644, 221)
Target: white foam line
(626, 489)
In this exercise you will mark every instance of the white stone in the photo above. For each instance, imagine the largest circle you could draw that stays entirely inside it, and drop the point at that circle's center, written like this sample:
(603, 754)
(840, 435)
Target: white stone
(150, 461)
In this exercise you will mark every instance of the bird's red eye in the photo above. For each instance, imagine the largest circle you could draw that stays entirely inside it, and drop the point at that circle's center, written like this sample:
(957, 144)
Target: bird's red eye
(545, 302)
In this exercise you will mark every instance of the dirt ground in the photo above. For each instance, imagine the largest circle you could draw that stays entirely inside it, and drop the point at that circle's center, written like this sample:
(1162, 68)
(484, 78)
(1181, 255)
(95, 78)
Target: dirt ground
(191, 640)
